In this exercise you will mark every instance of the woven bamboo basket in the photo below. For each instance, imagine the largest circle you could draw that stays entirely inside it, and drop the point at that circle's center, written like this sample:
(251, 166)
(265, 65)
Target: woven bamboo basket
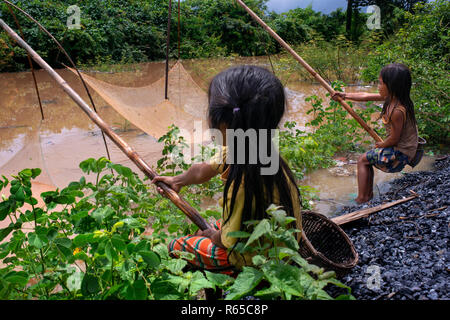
(325, 244)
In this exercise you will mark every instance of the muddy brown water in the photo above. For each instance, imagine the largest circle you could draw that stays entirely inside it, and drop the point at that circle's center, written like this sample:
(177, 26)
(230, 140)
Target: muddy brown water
(67, 136)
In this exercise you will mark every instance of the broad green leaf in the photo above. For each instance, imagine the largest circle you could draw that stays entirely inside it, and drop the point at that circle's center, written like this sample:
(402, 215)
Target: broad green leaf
(26, 173)
(258, 260)
(86, 165)
(110, 252)
(52, 233)
(327, 275)
(173, 228)
(4, 209)
(4, 253)
(5, 232)
(345, 297)
(287, 238)
(89, 285)
(111, 293)
(20, 194)
(151, 258)
(176, 266)
(164, 290)
(339, 284)
(65, 242)
(82, 239)
(305, 265)
(133, 223)
(198, 282)
(286, 277)
(137, 290)
(238, 234)
(219, 279)
(269, 293)
(101, 213)
(64, 250)
(17, 277)
(37, 240)
(130, 247)
(261, 229)
(78, 215)
(282, 252)
(162, 251)
(33, 201)
(279, 216)
(79, 256)
(245, 282)
(118, 242)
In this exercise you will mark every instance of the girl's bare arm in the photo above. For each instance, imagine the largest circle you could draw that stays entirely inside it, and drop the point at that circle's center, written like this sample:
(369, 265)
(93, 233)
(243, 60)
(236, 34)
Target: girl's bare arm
(214, 235)
(396, 131)
(358, 96)
(197, 174)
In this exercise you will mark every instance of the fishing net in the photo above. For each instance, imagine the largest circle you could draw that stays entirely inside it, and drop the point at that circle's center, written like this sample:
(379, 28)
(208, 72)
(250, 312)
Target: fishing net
(132, 103)
(146, 107)
(29, 156)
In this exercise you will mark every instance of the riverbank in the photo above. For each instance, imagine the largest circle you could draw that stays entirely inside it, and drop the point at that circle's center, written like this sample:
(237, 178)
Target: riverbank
(403, 250)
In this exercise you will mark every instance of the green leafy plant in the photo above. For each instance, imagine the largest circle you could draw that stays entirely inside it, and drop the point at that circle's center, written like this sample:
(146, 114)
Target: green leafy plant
(422, 44)
(90, 240)
(304, 152)
(278, 265)
(334, 126)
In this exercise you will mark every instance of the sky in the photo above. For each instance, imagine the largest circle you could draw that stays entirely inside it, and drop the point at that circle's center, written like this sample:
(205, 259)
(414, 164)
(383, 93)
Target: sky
(325, 6)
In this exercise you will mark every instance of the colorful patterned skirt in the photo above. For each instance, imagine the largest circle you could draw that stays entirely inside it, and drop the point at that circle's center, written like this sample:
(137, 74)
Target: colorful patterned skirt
(387, 159)
(207, 255)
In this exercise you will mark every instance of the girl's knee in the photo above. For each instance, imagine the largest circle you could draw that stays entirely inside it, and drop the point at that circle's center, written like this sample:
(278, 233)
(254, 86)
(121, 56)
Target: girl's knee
(363, 159)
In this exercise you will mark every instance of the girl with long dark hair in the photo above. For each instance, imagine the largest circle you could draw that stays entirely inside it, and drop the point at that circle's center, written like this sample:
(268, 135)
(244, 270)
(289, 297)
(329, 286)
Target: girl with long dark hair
(246, 103)
(400, 146)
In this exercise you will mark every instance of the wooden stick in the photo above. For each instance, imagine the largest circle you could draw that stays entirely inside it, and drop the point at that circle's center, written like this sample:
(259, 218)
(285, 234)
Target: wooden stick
(30, 62)
(190, 212)
(352, 216)
(167, 49)
(325, 84)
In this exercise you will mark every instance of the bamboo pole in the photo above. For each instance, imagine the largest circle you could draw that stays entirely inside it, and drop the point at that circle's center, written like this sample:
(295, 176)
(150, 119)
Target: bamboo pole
(167, 50)
(30, 62)
(325, 84)
(190, 212)
(352, 216)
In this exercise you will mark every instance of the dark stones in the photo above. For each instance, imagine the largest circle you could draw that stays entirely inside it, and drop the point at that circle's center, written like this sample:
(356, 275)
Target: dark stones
(407, 242)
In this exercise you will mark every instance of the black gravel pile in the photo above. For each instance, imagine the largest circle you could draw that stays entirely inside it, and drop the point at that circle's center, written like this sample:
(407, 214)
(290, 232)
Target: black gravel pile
(403, 250)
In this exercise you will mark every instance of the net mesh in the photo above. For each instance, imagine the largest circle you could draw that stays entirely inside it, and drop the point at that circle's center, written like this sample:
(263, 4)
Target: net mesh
(146, 107)
(29, 142)
(29, 156)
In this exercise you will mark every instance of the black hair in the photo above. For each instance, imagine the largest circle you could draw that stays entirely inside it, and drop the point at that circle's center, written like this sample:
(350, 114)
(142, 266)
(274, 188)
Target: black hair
(397, 78)
(250, 97)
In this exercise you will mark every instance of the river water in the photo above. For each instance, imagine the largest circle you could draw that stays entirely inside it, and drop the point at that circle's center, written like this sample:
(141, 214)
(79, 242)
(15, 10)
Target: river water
(67, 136)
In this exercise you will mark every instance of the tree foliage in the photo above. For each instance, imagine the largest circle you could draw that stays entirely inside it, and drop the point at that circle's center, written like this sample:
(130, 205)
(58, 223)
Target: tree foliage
(135, 31)
(422, 43)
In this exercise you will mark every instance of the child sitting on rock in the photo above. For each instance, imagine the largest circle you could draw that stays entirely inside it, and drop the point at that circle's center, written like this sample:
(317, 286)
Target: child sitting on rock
(400, 146)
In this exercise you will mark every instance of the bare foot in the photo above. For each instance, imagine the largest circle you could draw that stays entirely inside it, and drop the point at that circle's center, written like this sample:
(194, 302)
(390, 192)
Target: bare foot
(363, 199)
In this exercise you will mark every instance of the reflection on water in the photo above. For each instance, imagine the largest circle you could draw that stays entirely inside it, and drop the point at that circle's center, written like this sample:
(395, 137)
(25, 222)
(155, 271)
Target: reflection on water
(67, 136)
